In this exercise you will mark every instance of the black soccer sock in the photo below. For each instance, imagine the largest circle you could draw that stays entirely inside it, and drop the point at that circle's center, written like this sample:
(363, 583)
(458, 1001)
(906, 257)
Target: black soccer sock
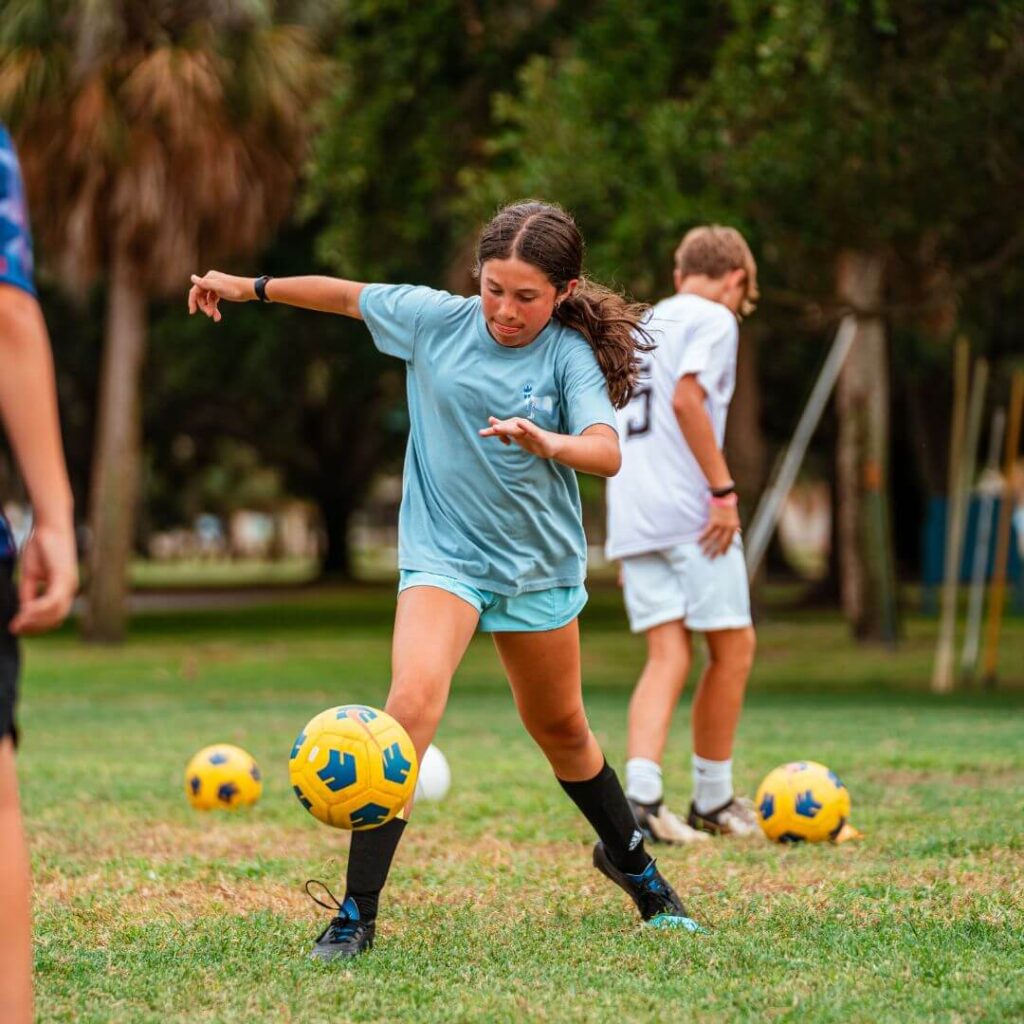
(369, 861)
(605, 806)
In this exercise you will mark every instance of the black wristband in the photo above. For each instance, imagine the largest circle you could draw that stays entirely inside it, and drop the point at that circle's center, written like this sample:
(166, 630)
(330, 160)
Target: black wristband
(723, 492)
(259, 286)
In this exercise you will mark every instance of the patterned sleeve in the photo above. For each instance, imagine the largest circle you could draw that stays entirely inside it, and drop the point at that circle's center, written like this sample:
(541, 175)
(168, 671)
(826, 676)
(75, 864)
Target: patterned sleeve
(15, 239)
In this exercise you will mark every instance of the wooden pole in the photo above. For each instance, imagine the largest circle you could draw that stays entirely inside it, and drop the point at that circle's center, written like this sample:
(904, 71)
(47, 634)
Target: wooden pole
(942, 674)
(997, 590)
(968, 462)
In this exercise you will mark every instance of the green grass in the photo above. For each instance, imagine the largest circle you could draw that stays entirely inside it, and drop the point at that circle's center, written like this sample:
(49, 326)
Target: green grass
(222, 572)
(148, 911)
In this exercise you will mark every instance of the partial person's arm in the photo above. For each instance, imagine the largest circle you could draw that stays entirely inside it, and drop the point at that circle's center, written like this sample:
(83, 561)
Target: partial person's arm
(325, 294)
(688, 405)
(594, 451)
(28, 407)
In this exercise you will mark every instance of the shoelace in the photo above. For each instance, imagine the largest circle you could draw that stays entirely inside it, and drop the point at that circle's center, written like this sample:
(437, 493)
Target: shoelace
(655, 893)
(342, 926)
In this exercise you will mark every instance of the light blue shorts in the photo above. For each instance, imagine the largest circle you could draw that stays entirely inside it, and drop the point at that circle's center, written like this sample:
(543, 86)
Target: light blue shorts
(534, 612)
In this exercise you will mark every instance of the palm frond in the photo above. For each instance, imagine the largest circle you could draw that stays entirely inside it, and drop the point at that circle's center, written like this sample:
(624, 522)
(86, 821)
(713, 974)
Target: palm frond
(150, 132)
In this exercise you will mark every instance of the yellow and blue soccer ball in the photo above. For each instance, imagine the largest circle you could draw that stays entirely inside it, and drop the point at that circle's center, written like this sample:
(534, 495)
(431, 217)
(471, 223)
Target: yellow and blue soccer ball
(802, 801)
(222, 776)
(353, 767)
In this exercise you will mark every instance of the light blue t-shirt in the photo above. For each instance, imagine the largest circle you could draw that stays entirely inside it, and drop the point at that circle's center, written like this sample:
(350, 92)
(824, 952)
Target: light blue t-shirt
(490, 514)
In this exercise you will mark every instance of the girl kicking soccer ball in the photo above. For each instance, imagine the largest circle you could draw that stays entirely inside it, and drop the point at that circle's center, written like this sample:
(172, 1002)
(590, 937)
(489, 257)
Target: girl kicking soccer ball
(510, 392)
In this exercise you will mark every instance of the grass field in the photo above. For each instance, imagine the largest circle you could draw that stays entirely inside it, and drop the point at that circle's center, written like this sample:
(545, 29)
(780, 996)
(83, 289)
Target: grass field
(148, 911)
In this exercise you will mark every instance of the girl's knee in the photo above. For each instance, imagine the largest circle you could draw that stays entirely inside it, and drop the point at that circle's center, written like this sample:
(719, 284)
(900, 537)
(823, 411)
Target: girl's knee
(417, 699)
(564, 733)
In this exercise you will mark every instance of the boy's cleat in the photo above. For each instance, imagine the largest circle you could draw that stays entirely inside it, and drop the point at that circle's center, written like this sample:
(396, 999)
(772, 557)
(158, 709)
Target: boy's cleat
(734, 818)
(656, 900)
(346, 936)
(660, 825)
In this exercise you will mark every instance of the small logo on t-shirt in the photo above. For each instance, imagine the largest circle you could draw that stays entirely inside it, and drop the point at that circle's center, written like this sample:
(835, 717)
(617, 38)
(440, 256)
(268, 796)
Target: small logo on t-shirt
(534, 403)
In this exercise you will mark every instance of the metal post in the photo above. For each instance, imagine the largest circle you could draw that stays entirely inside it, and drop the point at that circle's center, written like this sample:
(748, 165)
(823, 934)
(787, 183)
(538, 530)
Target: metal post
(982, 543)
(997, 590)
(769, 508)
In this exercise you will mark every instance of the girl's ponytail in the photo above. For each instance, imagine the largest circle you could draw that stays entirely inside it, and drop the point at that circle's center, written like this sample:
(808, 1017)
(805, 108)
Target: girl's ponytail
(614, 328)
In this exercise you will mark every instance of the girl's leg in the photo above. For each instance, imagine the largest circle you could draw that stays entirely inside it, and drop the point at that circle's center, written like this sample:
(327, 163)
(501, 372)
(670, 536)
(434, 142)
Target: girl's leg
(432, 631)
(544, 672)
(15, 933)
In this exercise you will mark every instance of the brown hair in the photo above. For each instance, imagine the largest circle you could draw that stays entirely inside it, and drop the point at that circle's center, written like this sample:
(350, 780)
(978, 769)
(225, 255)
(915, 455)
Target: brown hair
(545, 236)
(715, 250)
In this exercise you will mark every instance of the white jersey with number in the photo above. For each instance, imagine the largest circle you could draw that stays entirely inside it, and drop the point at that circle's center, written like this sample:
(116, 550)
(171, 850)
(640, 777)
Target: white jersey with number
(660, 496)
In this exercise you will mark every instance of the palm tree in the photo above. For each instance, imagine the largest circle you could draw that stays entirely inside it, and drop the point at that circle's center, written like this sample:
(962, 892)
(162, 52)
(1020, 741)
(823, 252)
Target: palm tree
(155, 136)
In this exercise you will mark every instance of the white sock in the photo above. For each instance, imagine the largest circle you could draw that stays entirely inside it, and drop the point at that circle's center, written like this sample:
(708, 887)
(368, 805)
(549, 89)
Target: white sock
(712, 783)
(643, 780)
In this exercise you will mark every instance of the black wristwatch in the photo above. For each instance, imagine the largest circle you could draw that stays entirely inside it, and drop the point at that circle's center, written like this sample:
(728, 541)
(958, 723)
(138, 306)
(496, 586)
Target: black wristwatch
(723, 492)
(259, 286)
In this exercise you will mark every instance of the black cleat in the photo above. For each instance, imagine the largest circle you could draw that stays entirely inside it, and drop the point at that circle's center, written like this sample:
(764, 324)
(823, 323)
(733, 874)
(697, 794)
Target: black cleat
(656, 900)
(346, 936)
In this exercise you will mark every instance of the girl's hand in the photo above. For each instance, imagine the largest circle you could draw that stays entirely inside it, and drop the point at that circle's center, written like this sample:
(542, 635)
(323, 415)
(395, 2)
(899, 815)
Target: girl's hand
(524, 433)
(208, 290)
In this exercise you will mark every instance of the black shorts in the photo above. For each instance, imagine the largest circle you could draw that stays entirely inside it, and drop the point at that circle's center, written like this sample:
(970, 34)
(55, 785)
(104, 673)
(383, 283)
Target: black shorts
(9, 661)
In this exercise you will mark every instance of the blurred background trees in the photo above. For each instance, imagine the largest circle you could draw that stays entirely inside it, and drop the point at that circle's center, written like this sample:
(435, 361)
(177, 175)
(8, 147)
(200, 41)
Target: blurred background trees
(870, 150)
(153, 137)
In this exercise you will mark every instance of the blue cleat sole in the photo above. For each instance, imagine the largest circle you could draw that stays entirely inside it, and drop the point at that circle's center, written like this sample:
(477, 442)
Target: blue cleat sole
(674, 921)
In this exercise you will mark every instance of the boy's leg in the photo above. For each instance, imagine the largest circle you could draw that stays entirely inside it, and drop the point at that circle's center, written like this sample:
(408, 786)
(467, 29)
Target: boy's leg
(432, 631)
(543, 670)
(656, 603)
(650, 716)
(15, 934)
(657, 693)
(717, 705)
(718, 702)
(718, 605)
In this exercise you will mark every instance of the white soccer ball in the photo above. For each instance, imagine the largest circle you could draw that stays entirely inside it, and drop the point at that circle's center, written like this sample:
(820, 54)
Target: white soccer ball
(435, 776)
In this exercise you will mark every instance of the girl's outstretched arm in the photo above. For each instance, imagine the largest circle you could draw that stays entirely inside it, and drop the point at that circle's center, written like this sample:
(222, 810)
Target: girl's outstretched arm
(326, 294)
(595, 451)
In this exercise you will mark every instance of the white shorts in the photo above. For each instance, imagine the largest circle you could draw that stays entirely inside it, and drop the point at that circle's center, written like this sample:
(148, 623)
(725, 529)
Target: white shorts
(682, 583)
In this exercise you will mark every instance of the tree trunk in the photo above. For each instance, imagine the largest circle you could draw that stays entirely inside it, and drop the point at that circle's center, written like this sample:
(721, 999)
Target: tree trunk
(336, 511)
(862, 458)
(117, 457)
(744, 439)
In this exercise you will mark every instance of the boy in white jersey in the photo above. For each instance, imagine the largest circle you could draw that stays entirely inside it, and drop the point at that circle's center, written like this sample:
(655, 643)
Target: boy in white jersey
(673, 523)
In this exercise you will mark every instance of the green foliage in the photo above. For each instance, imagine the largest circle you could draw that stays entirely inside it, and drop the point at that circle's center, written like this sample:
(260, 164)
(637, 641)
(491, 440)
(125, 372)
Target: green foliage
(811, 125)
(410, 110)
(155, 134)
(307, 391)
